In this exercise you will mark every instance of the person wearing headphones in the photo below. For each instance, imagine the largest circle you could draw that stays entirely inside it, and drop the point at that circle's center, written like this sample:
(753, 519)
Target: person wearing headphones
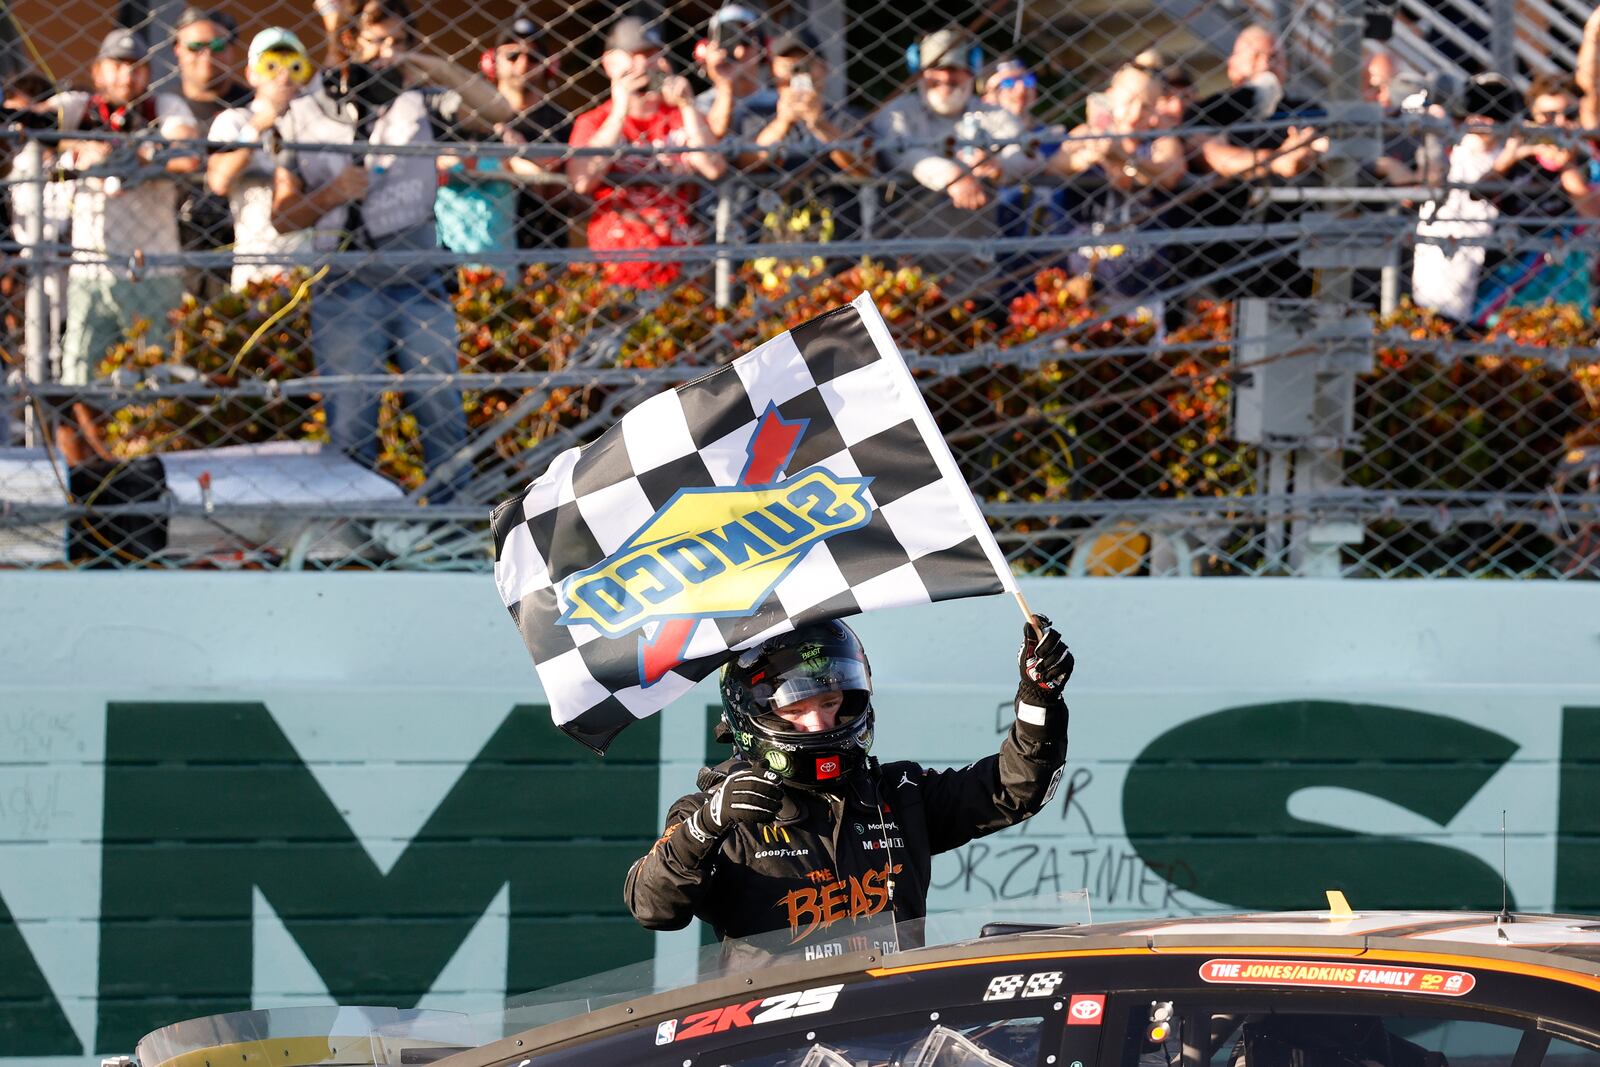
(801, 830)
(943, 107)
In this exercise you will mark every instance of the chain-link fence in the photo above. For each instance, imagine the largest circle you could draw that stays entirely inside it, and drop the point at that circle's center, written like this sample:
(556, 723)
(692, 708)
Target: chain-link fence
(297, 286)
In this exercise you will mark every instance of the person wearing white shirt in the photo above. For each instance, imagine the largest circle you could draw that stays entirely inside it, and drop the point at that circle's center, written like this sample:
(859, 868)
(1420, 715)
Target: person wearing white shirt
(122, 216)
(279, 68)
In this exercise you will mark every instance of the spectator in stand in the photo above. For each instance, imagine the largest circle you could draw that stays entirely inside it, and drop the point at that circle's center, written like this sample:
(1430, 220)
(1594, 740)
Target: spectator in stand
(951, 190)
(279, 69)
(1445, 279)
(1025, 208)
(205, 47)
(123, 210)
(814, 205)
(739, 100)
(1176, 102)
(1400, 160)
(1123, 174)
(481, 197)
(385, 307)
(29, 92)
(1540, 177)
(652, 107)
(944, 108)
(1236, 160)
(457, 100)
(524, 70)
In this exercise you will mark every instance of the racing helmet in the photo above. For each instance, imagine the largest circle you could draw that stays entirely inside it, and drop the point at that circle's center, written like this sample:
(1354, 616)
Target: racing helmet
(811, 660)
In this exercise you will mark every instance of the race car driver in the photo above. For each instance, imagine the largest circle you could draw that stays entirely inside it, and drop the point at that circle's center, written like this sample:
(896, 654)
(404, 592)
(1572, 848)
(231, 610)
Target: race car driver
(803, 831)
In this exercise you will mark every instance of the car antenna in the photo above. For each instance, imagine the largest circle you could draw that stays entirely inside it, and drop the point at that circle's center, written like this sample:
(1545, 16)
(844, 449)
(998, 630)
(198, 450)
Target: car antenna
(1505, 890)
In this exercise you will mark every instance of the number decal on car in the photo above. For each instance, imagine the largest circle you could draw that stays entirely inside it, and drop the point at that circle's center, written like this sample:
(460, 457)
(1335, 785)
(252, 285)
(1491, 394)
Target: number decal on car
(1008, 986)
(771, 1009)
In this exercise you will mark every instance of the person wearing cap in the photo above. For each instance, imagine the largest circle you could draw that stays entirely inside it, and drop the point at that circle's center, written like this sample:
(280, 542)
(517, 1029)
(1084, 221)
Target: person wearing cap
(943, 107)
(651, 106)
(123, 211)
(205, 45)
(952, 151)
(389, 305)
(524, 69)
(279, 69)
(731, 55)
(1024, 208)
(815, 205)
(206, 49)
(479, 195)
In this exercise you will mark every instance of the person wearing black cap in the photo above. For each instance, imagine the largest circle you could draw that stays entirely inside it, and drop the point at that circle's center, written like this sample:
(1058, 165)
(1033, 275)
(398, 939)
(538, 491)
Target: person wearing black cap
(649, 105)
(523, 69)
(206, 47)
(123, 210)
(815, 205)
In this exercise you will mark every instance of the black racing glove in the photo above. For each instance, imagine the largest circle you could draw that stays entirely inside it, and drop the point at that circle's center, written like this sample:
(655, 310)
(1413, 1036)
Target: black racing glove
(747, 795)
(1045, 663)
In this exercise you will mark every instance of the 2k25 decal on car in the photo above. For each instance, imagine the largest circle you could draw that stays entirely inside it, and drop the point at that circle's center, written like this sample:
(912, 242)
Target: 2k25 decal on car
(1392, 979)
(1009, 986)
(771, 1009)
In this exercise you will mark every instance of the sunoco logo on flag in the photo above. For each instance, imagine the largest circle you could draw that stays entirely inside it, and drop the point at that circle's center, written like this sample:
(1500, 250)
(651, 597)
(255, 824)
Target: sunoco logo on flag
(805, 480)
(692, 561)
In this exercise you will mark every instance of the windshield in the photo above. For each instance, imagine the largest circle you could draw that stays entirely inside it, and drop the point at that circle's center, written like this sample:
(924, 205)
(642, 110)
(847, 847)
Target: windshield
(878, 934)
(368, 1037)
(299, 1037)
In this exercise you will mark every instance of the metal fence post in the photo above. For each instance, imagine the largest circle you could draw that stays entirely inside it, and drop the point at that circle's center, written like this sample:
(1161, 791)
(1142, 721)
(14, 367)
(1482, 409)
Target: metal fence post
(1503, 35)
(726, 196)
(1315, 545)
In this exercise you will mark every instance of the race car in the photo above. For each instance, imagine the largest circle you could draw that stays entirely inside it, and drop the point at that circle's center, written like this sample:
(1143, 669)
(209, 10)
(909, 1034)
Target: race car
(1300, 989)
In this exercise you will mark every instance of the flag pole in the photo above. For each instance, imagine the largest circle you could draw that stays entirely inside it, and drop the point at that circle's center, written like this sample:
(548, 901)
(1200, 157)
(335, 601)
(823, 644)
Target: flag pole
(1027, 613)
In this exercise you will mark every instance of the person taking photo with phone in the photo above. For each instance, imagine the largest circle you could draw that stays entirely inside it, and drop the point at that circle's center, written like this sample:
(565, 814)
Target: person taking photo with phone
(642, 200)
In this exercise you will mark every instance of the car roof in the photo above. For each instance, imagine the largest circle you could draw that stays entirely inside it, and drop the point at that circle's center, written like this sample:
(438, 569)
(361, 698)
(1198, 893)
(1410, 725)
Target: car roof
(1561, 947)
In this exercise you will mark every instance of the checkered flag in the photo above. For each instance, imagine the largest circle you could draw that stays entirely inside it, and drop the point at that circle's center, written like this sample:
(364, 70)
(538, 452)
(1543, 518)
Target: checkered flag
(806, 480)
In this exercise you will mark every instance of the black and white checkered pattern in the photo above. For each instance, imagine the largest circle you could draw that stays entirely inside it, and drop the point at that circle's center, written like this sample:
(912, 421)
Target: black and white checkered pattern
(840, 372)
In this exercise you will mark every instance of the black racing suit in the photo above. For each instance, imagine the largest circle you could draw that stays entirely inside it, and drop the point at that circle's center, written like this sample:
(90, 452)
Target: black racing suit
(826, 864)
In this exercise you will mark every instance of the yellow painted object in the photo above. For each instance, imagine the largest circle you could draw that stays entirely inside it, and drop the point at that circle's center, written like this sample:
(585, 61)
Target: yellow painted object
(1339, 907)
(1118, 552)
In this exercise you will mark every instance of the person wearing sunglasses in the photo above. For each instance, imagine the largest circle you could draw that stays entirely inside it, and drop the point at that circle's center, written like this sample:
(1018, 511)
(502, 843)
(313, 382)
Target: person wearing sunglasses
(1011, 85)
(207, 60)
(1545, 178)
(205, 46)
(278, 69)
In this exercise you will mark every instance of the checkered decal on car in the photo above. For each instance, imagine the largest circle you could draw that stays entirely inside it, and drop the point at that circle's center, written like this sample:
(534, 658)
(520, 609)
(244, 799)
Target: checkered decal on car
(830, 404)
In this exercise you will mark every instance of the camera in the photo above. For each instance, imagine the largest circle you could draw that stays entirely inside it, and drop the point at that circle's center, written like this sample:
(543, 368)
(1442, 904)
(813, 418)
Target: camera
(656, 79)
(800, 79)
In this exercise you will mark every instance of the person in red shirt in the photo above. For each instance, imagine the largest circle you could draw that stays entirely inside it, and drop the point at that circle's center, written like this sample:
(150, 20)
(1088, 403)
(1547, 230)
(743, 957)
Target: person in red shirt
(649, 106)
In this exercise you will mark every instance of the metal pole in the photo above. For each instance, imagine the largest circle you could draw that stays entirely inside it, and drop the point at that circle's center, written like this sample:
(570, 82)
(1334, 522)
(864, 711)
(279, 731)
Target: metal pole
(36, 305)
(724, 269)
(1315, 547)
